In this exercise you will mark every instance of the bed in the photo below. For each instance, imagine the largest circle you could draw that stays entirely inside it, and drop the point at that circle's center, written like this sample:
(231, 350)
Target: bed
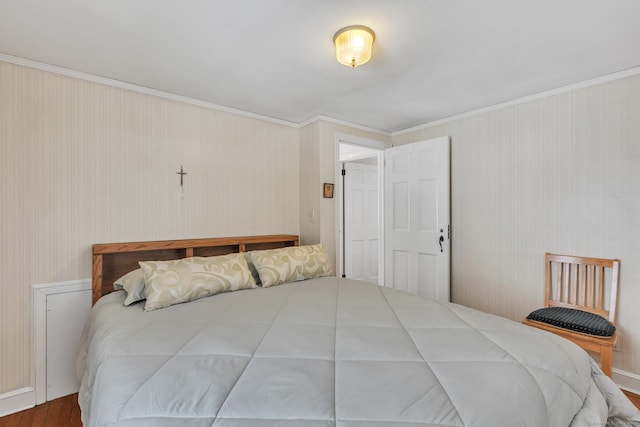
(325, 351)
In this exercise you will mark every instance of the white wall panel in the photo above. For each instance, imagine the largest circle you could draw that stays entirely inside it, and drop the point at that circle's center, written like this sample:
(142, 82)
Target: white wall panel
(66, 315)
(83, 163)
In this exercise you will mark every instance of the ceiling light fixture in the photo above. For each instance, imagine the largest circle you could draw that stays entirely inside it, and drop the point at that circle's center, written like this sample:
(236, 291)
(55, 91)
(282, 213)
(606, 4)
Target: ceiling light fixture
(353, 45)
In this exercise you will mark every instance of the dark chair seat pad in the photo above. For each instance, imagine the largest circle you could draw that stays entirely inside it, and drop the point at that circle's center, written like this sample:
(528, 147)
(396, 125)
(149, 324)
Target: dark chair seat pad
(574, 320)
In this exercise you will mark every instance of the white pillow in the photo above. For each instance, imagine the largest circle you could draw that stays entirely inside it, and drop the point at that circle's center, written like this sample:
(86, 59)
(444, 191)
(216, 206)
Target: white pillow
(133, 283)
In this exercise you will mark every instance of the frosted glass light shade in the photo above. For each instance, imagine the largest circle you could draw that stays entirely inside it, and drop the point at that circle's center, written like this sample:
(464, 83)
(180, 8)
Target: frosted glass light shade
(353, 45)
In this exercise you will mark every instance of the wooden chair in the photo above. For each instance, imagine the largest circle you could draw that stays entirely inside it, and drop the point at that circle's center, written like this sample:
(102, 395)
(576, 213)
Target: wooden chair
(580, 285)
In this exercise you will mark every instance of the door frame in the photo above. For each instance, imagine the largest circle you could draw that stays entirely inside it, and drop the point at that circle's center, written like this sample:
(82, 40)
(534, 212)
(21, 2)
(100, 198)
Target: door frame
(379, 146)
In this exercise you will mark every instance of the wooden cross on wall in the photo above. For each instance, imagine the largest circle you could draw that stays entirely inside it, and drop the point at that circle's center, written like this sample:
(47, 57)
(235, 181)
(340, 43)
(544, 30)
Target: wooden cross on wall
(182, 173)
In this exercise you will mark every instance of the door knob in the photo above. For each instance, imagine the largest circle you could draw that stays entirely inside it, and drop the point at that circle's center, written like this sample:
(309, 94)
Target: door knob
(440, 242)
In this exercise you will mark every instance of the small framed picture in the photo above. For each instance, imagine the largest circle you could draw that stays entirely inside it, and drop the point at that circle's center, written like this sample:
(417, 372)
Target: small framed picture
(327, 191)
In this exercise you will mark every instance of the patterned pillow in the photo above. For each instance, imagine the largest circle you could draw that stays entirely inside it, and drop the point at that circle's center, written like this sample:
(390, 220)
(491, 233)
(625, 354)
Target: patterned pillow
(276, 266)
(133, 283)
(184, 280)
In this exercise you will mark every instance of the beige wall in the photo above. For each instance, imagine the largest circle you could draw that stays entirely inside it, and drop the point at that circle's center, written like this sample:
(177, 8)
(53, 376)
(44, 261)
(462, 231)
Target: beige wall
(310, 182)
(82, 163)
(318, 165)
(559, 174)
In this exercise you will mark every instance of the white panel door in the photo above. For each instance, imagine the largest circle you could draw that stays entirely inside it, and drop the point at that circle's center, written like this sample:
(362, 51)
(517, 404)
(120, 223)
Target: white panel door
(361, 221)
(417, 209)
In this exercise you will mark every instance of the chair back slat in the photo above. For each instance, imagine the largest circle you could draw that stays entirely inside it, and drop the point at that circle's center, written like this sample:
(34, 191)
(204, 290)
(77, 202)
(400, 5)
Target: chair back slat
(559, 282)
(581, 284)
(591, 292)
(573, 286)
(582, 290)
(600, 299)
(614, 291)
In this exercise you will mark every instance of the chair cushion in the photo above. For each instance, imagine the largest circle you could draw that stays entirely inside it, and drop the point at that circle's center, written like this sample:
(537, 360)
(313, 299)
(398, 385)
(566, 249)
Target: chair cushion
(574, 320)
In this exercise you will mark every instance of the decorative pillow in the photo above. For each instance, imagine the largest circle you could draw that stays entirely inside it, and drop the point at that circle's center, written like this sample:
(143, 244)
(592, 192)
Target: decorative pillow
(276, 266)
(133, 283)
(184, 280)
(574, 320)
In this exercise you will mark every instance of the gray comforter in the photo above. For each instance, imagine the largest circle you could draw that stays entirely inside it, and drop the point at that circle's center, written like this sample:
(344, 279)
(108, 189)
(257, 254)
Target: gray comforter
(333, 352)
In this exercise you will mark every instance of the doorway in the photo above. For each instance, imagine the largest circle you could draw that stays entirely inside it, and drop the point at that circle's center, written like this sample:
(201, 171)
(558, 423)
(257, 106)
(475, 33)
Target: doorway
(361, 225)
(359, 208)
(394, 217)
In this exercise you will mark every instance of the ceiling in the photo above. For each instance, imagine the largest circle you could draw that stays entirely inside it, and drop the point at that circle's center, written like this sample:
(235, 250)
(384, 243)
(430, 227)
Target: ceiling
(432, 58)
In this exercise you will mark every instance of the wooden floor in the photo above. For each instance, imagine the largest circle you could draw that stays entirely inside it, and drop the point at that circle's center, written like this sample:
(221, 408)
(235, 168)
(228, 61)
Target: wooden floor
(65, 412)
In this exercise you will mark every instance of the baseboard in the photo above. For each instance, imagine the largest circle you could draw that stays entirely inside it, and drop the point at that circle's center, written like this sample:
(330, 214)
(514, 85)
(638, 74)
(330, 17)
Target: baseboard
(626, 380)
(17, 400)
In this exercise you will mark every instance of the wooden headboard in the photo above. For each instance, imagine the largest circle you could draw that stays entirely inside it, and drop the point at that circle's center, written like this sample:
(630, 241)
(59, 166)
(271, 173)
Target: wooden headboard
(113, 260)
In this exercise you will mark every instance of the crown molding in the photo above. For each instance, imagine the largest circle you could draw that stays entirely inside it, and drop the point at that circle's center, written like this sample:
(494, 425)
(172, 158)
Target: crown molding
(187, 100)
(167, 95)
(140, 89)
(564, 89)
(343, 123)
